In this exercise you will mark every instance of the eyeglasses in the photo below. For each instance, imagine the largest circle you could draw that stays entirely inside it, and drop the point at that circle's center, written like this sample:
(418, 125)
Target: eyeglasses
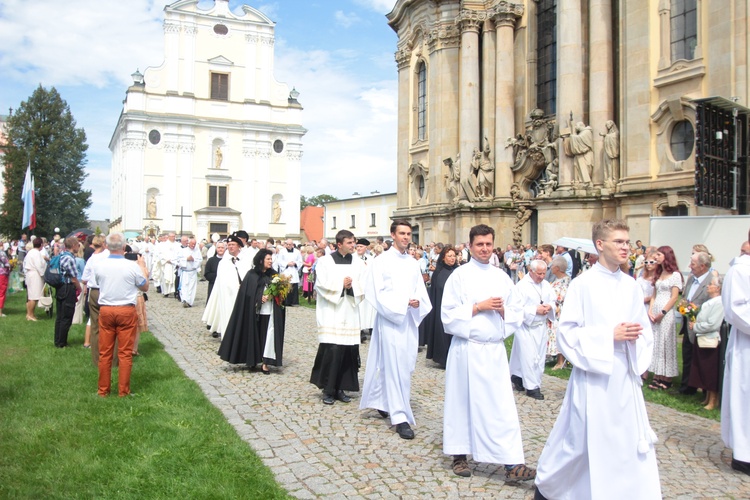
(649, 262)
(620, 243)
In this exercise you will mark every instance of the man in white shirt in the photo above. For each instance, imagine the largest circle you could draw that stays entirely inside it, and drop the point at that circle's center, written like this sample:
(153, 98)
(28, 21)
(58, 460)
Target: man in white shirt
(735, 403)
(395, 288)
(189, 260)
(480, 309)
(530, 340)
(605, 334)
(289, 262)
(562, 252)
(119, 281)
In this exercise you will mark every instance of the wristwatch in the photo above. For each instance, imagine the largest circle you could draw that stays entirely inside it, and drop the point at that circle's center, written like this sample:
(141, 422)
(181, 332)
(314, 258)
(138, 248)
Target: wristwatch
(663, 312)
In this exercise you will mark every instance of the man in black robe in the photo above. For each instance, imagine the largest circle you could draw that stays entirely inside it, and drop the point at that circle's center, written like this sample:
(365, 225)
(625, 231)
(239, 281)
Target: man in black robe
(213, 265)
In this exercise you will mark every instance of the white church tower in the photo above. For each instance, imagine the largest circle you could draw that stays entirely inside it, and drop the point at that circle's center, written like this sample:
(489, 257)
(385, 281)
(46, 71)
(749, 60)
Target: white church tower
(209, 142)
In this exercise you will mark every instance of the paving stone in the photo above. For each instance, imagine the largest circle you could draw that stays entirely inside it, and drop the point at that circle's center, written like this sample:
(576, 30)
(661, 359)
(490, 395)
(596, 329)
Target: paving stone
(340, 452)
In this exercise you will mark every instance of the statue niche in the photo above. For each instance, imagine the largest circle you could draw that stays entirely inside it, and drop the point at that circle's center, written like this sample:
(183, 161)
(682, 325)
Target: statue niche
(535, 157)
(418, 175)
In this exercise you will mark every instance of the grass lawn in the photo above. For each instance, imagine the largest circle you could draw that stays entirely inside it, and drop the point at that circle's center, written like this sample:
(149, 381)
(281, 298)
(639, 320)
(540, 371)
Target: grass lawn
(58, 439)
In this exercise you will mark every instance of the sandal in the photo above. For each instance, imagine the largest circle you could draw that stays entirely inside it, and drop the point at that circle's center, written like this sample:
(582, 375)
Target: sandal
(461, 468)
(659, 385)
(520, 473)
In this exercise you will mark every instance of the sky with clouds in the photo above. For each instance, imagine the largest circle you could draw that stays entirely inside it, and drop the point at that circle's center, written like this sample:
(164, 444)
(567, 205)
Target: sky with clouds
(337, 54)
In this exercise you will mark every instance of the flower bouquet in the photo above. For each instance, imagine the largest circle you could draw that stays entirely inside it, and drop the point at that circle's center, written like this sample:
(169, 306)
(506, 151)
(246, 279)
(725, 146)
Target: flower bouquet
(688, 309)
(279, 288)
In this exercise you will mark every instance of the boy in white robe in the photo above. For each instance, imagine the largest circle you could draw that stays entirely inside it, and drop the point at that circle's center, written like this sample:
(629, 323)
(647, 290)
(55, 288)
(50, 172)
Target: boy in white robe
(395, 288)
(735, 404)
(602, 445)
(480, 308)
(530, 340)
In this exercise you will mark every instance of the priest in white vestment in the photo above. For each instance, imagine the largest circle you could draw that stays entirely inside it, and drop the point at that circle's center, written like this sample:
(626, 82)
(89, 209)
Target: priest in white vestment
(366, 311)
(229, 274)
(395, 288)
(168, 255)
(480, 308)
(289, 262)
(339, 285)
(735, 404)
(156, 266)
(602, 445)
(189, 260)
(529, 350)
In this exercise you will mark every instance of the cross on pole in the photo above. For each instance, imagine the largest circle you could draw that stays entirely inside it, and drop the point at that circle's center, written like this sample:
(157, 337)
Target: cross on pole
(181, 216)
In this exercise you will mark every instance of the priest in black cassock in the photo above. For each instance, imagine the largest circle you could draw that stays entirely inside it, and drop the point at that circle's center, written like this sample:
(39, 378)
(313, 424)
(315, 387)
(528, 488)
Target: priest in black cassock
(438, 342)
(255, 333)
(339, 284)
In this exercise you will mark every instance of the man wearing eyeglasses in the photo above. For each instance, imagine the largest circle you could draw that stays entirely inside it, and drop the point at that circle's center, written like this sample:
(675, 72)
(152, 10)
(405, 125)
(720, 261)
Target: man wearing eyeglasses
(605, 334)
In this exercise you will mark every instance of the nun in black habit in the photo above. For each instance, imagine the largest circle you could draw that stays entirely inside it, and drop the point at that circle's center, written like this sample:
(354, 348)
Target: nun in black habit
(438, 342)
(255, 333)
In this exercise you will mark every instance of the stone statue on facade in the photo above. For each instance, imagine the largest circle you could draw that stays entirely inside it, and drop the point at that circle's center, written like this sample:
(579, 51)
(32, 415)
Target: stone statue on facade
(453, 178)
(218, 157)
(484, 170)
(611, 155)
(533, 153)
(276, 212)
(548, 182)
(151, 206)
(522, 216)
(578, 142)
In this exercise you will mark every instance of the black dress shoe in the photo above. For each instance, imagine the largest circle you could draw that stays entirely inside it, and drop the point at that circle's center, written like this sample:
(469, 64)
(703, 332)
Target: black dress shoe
(741, 466)
(215, 335)
(343, 397)
(535, 393)
(328, 400)
(517, 383)
(384, 414)
(158, 289)
(687, 391)
(404, 431)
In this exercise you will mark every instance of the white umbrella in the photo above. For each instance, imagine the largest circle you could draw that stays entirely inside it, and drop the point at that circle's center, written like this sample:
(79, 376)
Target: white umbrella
(580, 244)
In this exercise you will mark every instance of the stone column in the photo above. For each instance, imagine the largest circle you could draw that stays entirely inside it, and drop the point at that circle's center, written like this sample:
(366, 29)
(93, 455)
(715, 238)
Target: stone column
(403, 61)
(469, 134)
(505, 16)
(489, 65)
(569, 81)
(601, 77)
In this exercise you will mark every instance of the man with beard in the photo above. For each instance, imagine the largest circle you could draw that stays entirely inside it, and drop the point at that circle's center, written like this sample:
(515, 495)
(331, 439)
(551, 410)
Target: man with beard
(229, 275)
(340, 289)
(395, 288)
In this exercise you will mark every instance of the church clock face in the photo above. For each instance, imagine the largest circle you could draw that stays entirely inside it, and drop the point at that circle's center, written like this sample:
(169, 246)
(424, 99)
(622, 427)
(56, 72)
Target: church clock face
(154, 137)
(278, 146)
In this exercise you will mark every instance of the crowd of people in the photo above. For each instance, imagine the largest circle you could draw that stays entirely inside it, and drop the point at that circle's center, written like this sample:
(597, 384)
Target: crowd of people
(614, 315)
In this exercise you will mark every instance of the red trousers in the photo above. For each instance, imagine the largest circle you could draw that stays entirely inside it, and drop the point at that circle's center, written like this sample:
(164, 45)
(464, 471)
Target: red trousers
(3, 289)
(116, 323)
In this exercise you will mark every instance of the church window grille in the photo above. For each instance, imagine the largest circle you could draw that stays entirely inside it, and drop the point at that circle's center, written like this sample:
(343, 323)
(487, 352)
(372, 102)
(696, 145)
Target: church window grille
(333, 220)
(683, 18)
(221, 228)
(217, 196)
(420, 186)
(546, 52)
(220, 86)
(372, 220)
(354, 222)
(421, 101)
(682, 140)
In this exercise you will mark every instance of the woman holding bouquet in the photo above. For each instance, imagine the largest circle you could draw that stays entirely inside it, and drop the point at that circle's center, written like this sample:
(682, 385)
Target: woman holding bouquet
(255, 333)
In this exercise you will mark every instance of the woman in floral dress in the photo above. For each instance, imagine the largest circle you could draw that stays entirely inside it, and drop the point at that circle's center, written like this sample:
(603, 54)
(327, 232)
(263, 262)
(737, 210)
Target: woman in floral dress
(667, 290)
(560, 286)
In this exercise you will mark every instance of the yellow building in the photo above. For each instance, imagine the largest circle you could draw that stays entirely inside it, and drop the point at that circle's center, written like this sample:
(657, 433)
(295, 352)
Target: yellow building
(209, 142)
(541, 116)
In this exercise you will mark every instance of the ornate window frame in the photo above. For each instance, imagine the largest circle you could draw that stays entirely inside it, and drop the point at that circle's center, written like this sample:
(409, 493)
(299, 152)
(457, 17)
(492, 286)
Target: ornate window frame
(669, 71)
(667, 115)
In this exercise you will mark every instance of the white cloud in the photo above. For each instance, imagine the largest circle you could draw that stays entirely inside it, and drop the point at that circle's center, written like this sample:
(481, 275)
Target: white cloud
(382, 6)
(271, 10)
(344, 19)
(351, 143)
(76, 43)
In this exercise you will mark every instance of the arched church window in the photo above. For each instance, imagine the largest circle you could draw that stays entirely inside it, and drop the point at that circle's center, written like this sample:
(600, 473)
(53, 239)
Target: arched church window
(420, 186)
(421, 100)
(546, 52)
(683, 17)
(682, 140)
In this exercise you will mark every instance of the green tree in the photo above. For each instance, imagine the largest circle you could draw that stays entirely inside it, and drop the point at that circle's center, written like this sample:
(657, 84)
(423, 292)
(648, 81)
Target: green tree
(315, 201)
(42, 132)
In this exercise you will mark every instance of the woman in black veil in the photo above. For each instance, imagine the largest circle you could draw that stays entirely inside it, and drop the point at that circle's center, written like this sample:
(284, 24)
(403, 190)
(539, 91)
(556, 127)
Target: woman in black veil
(438, 341)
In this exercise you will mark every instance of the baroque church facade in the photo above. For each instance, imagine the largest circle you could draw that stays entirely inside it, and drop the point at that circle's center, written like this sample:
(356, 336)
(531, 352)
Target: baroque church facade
(539, 117)
(209, 142)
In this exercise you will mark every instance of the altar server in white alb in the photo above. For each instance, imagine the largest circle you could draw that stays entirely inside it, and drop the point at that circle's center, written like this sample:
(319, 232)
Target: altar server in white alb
(168, 254)
(395, 288)
(530, 341)
(189, 260)
(735, 404)
(480, 308)
(602, 445)
(340, 287)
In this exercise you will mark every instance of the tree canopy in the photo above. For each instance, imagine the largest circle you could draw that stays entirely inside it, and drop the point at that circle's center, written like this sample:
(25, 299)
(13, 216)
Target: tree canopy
(315, 201)
(43, 133)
